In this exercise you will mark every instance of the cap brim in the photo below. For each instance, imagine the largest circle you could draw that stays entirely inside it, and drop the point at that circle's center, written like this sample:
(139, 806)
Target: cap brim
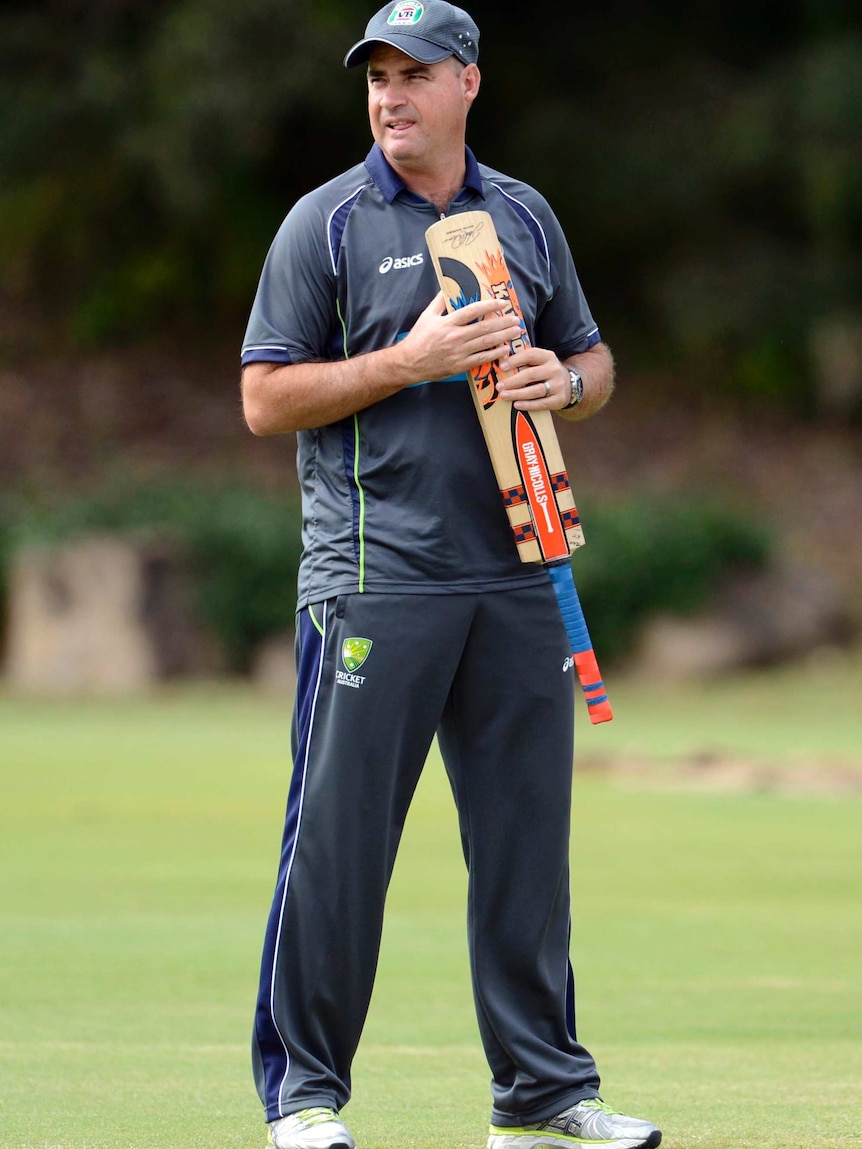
(417, 49)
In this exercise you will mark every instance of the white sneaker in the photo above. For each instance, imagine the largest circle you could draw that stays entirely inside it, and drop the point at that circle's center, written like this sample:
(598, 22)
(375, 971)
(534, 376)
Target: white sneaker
(310, 1129)
(590, 1122)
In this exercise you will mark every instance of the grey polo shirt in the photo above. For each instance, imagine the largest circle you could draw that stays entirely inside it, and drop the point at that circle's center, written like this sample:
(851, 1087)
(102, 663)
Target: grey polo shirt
(401, 497)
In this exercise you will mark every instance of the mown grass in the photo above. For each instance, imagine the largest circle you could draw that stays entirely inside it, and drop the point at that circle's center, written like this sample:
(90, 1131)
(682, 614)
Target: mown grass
(717, 936)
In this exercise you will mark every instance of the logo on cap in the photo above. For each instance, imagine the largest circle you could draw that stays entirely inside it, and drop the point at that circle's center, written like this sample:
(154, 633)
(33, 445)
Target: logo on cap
(405, 15)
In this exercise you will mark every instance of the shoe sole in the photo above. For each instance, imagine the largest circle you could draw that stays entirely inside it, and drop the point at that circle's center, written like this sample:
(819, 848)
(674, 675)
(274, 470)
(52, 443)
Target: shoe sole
(560, 1141)
(298, 1145)
(329, 1145)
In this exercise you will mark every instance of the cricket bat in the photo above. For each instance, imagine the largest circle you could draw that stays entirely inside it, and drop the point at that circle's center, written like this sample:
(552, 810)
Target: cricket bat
(523, 446)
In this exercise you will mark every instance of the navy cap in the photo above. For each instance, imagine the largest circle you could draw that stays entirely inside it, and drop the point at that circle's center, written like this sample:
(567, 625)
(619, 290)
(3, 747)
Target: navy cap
(426, 30)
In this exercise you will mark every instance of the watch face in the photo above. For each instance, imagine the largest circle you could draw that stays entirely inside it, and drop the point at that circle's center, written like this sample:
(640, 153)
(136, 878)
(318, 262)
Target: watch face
(577, 387)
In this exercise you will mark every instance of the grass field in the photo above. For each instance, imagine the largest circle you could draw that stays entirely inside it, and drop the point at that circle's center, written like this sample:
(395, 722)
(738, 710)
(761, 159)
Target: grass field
(717, 941)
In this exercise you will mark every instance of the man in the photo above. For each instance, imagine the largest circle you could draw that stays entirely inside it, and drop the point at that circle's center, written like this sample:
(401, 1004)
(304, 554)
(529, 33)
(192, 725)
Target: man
(415, 615)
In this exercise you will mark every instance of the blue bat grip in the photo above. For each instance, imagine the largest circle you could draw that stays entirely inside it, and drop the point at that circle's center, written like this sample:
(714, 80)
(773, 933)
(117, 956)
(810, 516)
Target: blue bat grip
(580, 643)
(570, 606)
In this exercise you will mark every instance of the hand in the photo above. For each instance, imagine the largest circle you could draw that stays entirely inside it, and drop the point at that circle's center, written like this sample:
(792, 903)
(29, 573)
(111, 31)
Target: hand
(441, 344)
(541, 381)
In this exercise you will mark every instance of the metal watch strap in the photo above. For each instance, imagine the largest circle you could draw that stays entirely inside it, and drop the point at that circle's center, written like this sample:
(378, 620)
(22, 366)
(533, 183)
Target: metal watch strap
(577, 389)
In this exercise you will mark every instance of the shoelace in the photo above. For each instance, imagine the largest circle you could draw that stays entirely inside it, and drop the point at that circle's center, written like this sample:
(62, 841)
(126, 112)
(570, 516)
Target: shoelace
(316, 1116)
(597, 1103)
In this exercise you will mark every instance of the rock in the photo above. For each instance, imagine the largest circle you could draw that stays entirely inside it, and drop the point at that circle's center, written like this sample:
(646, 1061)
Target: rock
(103, 615)
(835, 344)
(274, 665)
(679, 648)
(758, 619)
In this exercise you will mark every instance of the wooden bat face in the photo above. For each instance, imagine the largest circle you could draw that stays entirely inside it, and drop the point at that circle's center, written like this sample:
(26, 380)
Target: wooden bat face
(523, 447)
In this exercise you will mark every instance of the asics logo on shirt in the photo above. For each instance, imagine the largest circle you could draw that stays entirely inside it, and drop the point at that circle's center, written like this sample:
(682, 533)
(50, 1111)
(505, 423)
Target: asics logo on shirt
(391, 264)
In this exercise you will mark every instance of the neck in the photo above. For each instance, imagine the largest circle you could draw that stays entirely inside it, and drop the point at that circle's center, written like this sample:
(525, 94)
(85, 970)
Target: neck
(440, 195)
(438, 187)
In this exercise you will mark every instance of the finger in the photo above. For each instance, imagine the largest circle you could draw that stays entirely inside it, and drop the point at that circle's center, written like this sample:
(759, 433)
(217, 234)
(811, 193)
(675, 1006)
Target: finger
(523, 386)
(527, 380)
(493, 343)
(526, 357)
(529, 391)
(482, 309)
(483, 355)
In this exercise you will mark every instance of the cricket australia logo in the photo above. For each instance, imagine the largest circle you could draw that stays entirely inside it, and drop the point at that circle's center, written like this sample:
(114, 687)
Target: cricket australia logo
(405, 15)
(354, 652)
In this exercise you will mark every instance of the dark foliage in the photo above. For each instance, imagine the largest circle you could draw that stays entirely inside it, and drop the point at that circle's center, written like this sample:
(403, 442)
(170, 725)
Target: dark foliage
(705, 159)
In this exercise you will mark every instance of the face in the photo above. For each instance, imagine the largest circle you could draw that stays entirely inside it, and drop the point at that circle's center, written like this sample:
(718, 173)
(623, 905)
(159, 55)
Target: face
(418, 112)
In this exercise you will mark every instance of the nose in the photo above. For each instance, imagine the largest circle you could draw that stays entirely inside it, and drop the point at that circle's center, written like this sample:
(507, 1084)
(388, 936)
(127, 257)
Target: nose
(393, 96)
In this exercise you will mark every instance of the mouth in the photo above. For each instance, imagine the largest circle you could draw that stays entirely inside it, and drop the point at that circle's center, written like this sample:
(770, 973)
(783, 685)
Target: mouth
(399, 125)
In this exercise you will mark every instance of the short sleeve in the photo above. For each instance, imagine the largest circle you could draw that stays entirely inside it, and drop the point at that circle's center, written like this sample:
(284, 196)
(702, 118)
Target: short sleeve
(294, 310)
(565, 325)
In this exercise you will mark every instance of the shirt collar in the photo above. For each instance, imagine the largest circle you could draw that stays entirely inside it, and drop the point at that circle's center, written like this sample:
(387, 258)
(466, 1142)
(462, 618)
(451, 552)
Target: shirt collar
(390, 183)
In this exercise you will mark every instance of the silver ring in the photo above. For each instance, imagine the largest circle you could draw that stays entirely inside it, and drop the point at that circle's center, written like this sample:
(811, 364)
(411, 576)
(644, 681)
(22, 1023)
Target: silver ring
(547, 388)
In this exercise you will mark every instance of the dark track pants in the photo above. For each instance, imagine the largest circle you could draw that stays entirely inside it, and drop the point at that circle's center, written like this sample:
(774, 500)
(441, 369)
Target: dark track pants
(489, 674)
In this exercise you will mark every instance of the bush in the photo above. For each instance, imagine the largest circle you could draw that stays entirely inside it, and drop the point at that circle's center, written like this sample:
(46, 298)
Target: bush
(244, 546)
(651, 556)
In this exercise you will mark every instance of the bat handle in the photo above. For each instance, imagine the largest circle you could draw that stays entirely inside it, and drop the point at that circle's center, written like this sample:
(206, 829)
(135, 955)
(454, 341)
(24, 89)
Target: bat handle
(598, 706)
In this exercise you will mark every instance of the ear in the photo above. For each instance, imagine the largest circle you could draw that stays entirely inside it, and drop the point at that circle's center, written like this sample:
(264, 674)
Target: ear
(470, 81)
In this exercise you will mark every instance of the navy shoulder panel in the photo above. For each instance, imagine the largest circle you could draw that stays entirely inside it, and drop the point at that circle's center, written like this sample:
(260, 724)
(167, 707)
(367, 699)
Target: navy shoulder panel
(526, 203)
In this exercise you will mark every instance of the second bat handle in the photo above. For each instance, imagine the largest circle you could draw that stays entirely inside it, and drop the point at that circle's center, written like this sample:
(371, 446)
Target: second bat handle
(598, 706)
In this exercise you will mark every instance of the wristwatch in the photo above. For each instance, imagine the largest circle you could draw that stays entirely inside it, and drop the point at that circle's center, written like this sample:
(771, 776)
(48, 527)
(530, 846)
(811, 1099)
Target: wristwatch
(577, 389)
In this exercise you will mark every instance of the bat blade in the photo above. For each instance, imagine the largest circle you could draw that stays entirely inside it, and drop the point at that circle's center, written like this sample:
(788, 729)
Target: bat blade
(469, 263)
(523, 446)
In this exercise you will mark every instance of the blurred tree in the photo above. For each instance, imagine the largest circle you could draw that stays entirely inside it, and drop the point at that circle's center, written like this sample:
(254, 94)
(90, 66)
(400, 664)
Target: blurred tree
(142, 170)
(704, 157)
(705, 160)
